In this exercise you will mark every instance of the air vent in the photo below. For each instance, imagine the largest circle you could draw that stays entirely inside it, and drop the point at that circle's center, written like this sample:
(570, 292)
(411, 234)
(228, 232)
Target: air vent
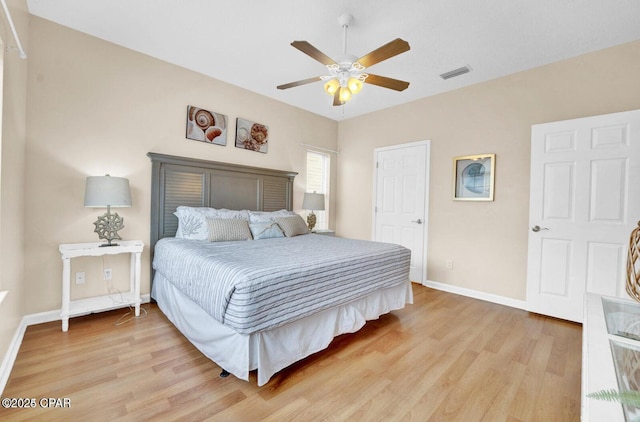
(456, 72)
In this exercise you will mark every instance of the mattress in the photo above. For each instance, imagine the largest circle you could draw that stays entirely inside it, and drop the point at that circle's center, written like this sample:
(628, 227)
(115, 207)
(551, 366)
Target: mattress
(252, 286)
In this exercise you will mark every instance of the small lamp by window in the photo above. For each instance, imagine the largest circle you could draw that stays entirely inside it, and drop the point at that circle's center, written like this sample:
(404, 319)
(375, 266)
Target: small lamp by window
(106, 192)
(314, 202)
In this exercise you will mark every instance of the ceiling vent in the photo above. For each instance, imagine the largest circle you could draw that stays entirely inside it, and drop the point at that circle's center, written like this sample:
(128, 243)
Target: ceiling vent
(456, 72)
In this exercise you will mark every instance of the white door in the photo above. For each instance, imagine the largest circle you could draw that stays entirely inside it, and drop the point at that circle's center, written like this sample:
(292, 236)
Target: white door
(585, 201)
(401, 201)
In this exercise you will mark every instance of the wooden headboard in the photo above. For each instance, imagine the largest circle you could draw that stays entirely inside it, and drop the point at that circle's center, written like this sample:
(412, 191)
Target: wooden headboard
(199, 183)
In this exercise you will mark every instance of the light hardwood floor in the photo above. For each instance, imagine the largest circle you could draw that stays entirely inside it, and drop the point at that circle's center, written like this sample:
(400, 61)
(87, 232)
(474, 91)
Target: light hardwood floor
(444, 358)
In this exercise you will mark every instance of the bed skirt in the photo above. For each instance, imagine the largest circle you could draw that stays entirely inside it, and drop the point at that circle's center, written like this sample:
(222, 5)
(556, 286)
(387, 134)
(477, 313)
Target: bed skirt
(271, 350)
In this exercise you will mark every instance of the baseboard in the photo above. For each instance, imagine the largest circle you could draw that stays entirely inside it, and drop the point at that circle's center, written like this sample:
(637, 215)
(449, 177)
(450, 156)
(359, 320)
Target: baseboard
(16, 341)
(10, 356)
(487, 297)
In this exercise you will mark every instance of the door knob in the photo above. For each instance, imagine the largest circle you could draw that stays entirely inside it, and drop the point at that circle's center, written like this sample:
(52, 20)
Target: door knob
(537, 228)
(419, 221)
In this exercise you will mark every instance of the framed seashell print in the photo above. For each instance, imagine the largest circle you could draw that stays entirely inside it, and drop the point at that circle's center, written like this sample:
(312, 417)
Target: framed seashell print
(206, 126)
(474, 177)
(251, 136)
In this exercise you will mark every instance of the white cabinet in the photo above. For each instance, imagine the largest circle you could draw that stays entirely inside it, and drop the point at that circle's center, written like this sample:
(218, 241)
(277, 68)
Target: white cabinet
(100, 303)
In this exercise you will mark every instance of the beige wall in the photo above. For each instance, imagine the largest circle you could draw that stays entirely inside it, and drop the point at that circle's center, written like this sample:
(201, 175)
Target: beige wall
(486, 241)
(96, 108)
(12, 158)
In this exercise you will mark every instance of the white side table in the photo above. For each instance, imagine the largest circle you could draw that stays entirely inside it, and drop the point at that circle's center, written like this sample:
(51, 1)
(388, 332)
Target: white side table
(99, 303)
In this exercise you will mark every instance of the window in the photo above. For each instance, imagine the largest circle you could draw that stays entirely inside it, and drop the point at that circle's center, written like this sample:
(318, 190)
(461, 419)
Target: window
(318, 181)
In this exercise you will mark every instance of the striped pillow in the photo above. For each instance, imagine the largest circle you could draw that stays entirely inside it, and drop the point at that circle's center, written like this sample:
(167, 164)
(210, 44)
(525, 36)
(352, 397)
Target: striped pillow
(292, 226)
(226, 229)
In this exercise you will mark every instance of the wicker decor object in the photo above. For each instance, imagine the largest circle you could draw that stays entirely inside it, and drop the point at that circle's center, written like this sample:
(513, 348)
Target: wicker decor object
(633, 264)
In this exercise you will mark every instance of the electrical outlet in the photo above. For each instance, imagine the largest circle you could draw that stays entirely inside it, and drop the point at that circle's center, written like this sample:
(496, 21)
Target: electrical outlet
(449, 264)
(80, 277)
(107, 273)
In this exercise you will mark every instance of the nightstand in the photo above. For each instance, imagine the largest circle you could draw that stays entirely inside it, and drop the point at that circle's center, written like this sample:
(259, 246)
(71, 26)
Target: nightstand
(72, 308)
(325, 232)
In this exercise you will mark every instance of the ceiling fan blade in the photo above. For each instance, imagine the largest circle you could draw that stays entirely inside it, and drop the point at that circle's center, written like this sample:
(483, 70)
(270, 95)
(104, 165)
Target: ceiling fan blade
(313, 52)
(385, 82)
(298, 83)
(336, 98)
(385, 52)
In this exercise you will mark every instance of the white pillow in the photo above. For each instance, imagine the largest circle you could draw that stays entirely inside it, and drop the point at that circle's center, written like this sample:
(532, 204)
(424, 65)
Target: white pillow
(227, 229)
(266, 230)
(268, 216)
(192, 224)
(293, 225)
(192, 221)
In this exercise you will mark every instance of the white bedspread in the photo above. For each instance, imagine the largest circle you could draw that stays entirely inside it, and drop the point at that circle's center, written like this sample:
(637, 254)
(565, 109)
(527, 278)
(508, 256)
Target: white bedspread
(251, 286)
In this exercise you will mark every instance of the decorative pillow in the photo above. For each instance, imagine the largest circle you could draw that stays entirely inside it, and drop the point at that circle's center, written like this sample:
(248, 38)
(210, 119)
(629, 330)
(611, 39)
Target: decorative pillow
(266, 230)
(268, 216)
(293, 225)
(191, 224)
(226, 229)
(192, 221)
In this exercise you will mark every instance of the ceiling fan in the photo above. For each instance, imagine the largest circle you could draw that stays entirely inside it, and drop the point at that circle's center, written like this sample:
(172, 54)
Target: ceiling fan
(346, 73)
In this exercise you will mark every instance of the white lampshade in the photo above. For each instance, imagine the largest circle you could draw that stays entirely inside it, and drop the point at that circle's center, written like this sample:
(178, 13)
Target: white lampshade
(104, 191)
(313, 201)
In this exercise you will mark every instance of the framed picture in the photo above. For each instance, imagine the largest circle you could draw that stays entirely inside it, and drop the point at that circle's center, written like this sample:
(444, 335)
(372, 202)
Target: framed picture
(251, 136)
(206, 126)
(473, 177)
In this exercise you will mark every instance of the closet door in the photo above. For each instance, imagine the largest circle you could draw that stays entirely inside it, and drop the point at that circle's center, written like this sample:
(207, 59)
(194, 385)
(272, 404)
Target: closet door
(401, 201)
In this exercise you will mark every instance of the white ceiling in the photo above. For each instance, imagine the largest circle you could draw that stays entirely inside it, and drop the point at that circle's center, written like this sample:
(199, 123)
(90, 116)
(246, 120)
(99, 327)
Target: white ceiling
(247, 43)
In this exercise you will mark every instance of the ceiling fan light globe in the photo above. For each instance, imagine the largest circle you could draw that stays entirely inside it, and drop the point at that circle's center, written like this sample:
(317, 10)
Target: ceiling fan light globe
(354, 85)
(345, 94)
(331, 86)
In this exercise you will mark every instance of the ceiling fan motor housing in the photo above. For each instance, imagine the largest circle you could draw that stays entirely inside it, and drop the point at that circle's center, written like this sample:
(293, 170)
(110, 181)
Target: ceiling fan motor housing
(346, 67)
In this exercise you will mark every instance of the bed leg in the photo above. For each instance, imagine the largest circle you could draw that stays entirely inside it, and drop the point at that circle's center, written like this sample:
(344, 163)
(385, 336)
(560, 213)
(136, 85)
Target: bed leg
(224, 373)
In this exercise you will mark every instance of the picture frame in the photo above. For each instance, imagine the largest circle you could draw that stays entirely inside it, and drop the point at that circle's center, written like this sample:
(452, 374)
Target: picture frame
(474, 177)
(252, 136)
(206, 126)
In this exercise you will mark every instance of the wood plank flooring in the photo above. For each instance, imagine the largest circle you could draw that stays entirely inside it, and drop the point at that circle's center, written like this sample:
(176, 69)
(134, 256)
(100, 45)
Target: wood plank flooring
(444, 358)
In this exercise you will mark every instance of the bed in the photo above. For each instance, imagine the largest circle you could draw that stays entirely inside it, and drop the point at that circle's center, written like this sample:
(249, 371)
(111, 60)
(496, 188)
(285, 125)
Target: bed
(276, 299)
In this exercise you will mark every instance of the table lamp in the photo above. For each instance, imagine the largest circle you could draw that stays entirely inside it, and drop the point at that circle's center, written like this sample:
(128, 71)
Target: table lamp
(106, 192)
(314, 202)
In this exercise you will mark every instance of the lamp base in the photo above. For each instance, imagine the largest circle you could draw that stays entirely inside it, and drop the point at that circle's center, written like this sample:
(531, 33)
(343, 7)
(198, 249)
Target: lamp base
(107, 226)
(311, 220)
